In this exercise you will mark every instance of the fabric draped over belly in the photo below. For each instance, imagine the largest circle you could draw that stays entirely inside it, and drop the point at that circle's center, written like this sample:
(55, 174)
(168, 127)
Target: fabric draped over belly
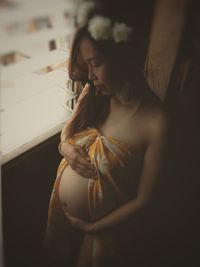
(106, 153)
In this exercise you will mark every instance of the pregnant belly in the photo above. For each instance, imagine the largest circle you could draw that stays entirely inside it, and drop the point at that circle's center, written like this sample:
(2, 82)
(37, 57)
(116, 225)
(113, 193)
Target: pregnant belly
(73, 192)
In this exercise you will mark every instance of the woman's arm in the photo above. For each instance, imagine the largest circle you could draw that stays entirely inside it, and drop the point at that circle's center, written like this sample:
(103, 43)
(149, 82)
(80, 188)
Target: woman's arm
(64, 133)
(153, 162)
(75, 155)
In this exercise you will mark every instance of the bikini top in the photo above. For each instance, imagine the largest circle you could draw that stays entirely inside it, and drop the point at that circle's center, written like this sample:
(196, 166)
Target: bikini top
(105, 153)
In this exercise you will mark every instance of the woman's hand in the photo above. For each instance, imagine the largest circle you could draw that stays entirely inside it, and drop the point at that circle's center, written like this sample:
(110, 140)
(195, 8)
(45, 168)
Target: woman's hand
(78, 159)
(78, 223)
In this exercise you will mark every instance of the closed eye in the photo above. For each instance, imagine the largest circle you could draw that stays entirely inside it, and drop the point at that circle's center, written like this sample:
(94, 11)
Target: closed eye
(96, 61)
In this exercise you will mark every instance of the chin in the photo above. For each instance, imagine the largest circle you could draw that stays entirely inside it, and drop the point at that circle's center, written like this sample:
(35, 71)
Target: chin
(101, 93)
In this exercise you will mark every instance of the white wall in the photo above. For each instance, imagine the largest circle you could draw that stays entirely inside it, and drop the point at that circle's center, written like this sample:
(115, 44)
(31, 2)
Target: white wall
(25, 94)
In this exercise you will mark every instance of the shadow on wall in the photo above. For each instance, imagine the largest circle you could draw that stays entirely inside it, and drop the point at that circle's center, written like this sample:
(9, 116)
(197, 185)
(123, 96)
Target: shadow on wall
(26, 187)
(182, 184)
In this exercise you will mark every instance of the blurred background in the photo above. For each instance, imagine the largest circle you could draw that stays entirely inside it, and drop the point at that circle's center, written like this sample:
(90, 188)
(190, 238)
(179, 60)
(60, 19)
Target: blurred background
(37, 99)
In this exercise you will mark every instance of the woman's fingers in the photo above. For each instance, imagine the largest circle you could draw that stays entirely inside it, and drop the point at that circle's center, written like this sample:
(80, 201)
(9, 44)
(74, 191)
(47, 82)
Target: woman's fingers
(79, 161)
(80, 169)
(76, 222)
(83, 159)
(73, 220)
(86, 164)
(87, 168)
(70, 217)
(82, 151)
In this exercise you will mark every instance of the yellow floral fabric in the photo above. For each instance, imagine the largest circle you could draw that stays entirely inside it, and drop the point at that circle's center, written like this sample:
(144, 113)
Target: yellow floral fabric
(106, 153)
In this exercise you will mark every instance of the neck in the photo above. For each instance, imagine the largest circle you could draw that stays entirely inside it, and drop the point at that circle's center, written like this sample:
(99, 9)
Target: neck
(116, 100)
(139, 95)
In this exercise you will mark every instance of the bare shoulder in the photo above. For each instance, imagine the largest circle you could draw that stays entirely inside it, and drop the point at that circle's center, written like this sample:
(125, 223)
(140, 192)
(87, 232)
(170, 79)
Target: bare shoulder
(155, 119)
(158, 124)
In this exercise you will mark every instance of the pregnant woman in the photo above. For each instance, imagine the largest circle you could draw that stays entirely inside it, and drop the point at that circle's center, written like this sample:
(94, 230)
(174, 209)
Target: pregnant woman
(113, 147)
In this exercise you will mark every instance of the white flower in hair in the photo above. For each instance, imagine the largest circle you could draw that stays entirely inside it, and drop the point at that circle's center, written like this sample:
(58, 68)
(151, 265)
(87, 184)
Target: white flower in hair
(83, 12)
(121, 32)
(100, 28)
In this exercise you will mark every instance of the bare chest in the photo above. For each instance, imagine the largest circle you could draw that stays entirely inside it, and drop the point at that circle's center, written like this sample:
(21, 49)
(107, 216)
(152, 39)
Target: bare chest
(124, 127)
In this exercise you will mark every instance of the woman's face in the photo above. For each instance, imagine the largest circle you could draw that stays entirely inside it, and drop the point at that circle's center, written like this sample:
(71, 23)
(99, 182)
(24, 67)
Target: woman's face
(99, 69)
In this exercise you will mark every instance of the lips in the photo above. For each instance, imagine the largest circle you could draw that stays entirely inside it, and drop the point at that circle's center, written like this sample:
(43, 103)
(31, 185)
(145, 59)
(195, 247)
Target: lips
(99, 90)
(98, 86)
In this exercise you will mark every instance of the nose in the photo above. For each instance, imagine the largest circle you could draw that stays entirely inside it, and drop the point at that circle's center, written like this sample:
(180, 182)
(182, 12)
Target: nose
(91, 75)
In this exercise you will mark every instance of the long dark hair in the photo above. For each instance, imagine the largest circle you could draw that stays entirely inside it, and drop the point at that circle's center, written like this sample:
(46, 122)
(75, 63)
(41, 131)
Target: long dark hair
(127, 61)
